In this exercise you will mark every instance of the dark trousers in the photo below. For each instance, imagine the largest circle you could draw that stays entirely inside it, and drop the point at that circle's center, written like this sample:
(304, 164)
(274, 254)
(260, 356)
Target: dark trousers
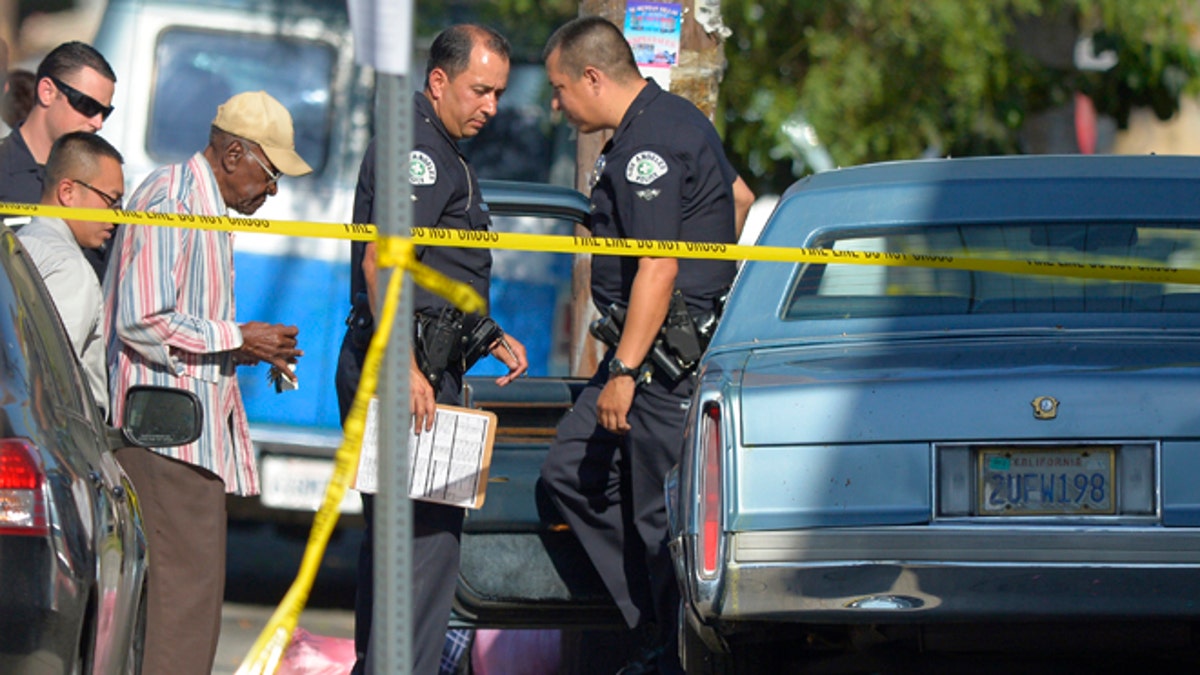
(437, 532)
(609, 489)
(183, 513)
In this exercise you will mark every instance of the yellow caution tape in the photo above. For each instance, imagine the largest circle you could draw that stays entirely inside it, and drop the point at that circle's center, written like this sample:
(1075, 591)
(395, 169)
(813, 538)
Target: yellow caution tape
(266, 654)
(268, 650)
(294, 228)
(709, 251)
(1061, 266)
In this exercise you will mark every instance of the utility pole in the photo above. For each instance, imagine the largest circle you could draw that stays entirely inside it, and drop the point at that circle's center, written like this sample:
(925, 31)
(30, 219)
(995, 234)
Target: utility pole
(383, 36)
(586, 350)
(697, 77)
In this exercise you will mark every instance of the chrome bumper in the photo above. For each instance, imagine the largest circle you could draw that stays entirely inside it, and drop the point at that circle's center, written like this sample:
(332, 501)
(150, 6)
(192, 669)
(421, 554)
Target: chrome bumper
(954, 573)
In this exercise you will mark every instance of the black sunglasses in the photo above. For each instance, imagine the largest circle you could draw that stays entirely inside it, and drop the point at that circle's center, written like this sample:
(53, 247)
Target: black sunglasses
(82, 103)
(109, 200)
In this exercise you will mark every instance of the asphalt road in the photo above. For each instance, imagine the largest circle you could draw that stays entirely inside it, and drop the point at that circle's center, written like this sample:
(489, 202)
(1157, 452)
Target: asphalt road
(263, 562)
(261, 565)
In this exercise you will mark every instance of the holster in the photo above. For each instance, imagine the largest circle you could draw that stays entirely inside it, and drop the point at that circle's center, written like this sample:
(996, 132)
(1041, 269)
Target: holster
(679, 332)
(478, 342)
(439, 339)
(607, 329)
(361, 323)
(437, 342)
(681, 340)
(442, 341)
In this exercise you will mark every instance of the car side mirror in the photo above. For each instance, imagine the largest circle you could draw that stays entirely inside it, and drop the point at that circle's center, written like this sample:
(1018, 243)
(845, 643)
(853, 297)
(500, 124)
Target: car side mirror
(161, 417)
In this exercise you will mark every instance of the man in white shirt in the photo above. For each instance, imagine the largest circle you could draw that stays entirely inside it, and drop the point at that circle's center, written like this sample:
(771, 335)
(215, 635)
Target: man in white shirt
(84, 171)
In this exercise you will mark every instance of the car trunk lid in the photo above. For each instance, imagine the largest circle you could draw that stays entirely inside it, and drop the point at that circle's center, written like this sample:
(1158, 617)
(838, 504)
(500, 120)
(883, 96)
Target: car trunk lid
(973, 387)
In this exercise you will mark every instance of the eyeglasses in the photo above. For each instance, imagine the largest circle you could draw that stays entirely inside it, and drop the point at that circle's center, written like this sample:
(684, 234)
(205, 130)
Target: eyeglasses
(109, 200)
(272, 176)
(82, 103)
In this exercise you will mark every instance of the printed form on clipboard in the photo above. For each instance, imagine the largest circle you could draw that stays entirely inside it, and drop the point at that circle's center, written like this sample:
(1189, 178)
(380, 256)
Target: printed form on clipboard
(448, 464)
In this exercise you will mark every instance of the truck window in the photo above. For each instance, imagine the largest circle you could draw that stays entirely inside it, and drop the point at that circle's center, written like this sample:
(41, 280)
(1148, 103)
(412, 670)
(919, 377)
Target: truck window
(199, 69)
(530, 296)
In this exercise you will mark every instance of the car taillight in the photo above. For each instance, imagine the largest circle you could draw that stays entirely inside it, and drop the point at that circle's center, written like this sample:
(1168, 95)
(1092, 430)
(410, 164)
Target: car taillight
(22, 500)
(710, 495)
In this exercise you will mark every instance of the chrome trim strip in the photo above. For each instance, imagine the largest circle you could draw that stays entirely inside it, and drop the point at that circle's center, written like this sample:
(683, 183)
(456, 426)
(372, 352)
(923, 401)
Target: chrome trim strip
(949, 545)
(958, 573)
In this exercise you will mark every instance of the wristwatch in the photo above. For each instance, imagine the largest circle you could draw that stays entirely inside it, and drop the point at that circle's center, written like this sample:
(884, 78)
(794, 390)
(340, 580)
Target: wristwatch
(617, 368)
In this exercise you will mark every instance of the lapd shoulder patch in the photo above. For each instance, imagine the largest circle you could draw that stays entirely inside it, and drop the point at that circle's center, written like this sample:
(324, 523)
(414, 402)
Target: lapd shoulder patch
(421, 169)
(645, 168)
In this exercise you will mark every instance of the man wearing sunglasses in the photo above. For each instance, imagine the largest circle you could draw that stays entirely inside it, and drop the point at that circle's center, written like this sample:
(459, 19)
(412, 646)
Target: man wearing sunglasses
(73, 91)
(83, 171)
(171, 321)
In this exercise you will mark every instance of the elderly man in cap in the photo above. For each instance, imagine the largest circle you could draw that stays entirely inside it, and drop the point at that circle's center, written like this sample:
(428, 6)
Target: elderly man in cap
(170, 320)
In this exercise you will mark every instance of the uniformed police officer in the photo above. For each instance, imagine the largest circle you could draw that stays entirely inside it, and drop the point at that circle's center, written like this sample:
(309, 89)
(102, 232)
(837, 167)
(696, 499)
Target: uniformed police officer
(663, 175)
(466, 74)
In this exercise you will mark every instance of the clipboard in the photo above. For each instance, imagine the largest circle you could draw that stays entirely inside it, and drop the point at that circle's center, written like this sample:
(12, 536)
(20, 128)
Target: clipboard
(447, 465)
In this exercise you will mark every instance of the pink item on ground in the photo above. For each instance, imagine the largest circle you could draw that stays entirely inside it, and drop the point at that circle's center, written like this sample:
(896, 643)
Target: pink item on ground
(515, 652)
(309, 654)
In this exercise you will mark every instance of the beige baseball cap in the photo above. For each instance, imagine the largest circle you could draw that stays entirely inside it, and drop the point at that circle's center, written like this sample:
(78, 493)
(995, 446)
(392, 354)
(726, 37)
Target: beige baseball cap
(256, 116)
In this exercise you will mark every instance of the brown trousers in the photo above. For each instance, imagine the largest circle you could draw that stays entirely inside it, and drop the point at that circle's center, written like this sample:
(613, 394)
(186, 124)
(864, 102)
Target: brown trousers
(183, 511)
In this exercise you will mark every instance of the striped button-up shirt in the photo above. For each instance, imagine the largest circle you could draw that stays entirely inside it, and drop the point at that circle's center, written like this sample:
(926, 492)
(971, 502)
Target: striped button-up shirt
(171, 317)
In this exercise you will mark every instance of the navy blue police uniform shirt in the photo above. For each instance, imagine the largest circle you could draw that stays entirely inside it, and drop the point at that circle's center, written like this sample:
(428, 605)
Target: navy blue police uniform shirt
(21, 177)
(445, 194)
(663, 175)
(22, 180)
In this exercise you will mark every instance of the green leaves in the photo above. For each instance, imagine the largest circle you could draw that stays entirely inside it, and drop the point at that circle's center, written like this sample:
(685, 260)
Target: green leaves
(1145, 75)
(893, 79)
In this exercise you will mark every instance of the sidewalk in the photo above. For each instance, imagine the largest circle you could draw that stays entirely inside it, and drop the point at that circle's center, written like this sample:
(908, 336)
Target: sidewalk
(241, 624)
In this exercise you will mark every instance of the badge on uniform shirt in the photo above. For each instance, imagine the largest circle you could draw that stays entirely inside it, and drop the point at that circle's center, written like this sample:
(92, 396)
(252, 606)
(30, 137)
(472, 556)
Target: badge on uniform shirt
(597, 170)
(645, 168)
(421, 169)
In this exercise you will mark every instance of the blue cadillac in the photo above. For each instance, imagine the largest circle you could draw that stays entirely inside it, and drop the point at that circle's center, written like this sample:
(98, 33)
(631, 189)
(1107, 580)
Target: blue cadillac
(921, 457)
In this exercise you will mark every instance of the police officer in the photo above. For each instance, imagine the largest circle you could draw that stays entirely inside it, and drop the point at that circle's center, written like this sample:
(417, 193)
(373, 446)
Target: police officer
(663, 175)
(466, 74)
(73, 91)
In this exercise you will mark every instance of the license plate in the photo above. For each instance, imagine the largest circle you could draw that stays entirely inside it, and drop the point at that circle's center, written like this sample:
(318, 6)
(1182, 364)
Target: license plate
(1067, 481)
(298, 484)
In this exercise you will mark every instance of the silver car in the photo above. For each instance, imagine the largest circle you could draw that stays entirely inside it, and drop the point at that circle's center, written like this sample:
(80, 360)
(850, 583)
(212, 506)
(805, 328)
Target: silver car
(73, 555)
(924, 455)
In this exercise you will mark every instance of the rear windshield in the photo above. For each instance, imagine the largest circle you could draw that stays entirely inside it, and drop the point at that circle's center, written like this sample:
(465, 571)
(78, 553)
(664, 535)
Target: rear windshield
(824, 291)
(200, 69)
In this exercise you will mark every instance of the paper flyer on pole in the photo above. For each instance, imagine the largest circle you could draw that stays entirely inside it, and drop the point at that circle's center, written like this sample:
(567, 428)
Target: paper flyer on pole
(653, 31)
(447, 464)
